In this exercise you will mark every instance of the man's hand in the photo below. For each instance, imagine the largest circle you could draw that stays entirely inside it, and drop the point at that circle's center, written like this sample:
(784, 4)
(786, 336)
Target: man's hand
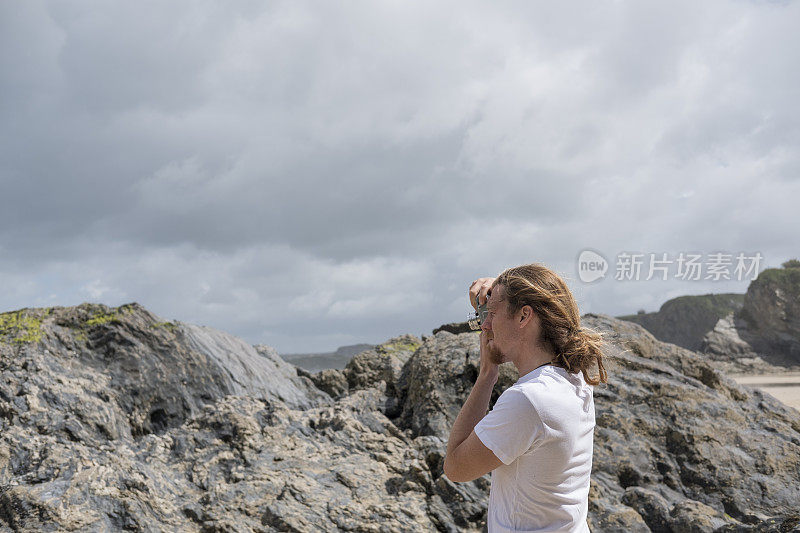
(479, 291)
(489, 369)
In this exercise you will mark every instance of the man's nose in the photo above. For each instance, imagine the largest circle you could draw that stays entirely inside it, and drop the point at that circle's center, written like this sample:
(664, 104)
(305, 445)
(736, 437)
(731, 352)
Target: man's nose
(486, 325)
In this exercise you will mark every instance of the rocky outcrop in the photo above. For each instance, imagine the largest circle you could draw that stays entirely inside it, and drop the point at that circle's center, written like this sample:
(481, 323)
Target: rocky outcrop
(453, 327)
(771, 312)
(380, 366)
(729, 352)
(245, 444)
(725, 341)
(160, 373)
(671, 424)
(686, 320)
(753, 332)
(438, 379)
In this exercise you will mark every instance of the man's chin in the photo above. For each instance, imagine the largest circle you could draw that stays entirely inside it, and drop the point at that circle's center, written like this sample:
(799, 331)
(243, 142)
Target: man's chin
(495, 355)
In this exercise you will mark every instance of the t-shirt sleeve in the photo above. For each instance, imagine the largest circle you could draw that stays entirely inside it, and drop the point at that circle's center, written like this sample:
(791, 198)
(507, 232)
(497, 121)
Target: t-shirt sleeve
(511, 427)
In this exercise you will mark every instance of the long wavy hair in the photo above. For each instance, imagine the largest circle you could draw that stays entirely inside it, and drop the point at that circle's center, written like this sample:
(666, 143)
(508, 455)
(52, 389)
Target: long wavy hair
(575, 349)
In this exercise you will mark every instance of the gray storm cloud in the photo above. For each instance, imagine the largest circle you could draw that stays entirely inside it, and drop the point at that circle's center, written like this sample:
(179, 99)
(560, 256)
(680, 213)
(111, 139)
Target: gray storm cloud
(308, 175)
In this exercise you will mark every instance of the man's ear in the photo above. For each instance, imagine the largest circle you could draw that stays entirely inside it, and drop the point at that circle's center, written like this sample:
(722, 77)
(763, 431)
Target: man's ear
(526, 315)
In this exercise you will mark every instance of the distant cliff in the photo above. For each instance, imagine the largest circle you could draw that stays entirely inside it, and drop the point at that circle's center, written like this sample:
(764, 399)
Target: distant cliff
(115, 419)
(771, 312)
(753, 331)
(685, 320)
(315, 362)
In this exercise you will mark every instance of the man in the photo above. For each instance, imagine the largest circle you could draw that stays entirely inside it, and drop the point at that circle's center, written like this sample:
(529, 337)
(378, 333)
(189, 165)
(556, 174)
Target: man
(537, 440)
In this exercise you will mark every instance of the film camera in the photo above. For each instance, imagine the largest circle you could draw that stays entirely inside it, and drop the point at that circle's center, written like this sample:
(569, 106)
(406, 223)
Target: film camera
(477, 319)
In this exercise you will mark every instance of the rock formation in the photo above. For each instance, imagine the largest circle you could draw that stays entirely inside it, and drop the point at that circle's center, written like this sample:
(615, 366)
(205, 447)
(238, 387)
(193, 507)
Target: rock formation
(753, 332)
(113, 419)
(686, 319)
(772, 313)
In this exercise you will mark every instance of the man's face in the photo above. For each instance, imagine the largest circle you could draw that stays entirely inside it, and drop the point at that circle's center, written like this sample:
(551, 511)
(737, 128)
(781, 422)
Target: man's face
(498, 325)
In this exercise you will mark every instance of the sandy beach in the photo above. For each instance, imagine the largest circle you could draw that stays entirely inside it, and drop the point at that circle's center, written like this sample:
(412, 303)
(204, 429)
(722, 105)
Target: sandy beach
(785, 387)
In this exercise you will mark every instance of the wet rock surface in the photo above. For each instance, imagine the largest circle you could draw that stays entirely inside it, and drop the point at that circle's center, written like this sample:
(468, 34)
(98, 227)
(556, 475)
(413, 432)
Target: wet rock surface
(112, 419)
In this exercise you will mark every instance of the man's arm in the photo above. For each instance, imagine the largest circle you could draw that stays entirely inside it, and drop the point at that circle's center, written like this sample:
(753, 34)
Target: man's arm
(467, 458)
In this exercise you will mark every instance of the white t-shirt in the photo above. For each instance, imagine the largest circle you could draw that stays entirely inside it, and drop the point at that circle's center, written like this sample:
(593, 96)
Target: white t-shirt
(542, 429)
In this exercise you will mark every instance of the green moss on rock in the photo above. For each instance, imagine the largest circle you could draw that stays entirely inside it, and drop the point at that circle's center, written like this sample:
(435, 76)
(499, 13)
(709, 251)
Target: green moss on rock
(399, 346)
(102, 319)
(24, 325)
(114, 316)
(169, 326)
(786, 278)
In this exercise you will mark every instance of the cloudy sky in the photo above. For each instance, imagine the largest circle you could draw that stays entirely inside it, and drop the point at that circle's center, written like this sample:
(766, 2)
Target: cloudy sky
(314, 174)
